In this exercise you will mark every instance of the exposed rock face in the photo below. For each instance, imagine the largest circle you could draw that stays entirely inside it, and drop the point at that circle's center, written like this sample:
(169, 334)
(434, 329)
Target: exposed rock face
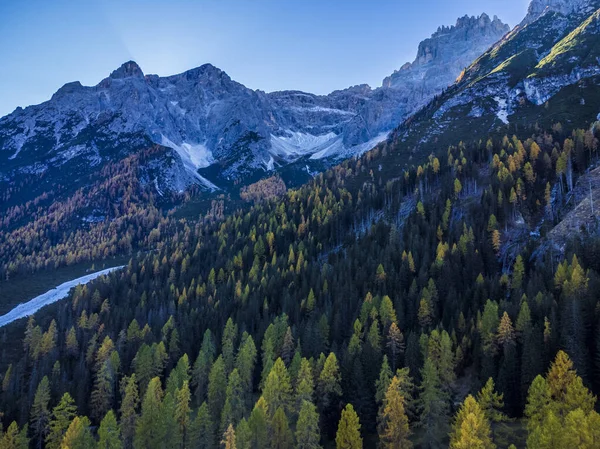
(442, 57)
(209, 120)
(564, 7)
(556, 50)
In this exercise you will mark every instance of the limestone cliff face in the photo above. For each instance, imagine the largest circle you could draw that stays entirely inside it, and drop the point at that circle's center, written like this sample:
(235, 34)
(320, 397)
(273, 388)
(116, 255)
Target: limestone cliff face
(441, 58)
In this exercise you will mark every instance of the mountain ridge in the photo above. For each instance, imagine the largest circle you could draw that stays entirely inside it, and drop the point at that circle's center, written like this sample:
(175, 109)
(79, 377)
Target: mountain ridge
(219, 126)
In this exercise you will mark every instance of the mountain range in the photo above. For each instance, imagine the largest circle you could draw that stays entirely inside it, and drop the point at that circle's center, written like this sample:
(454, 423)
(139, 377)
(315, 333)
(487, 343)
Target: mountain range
(221, 132)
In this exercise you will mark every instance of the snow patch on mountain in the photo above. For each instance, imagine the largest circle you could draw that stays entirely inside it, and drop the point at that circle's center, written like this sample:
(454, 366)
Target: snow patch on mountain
(297, 144)
(194, 157)
(502, 112)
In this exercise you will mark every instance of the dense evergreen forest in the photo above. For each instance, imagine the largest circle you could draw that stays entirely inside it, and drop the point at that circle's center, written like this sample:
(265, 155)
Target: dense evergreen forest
(372, 306)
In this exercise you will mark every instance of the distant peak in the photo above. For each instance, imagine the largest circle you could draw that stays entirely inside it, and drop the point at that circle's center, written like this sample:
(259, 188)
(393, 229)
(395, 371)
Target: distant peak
(538, 8)
(68, 89)
(128, 70)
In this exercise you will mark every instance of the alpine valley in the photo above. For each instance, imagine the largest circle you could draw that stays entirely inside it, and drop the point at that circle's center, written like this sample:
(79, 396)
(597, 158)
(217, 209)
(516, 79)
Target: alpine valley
(412, 265)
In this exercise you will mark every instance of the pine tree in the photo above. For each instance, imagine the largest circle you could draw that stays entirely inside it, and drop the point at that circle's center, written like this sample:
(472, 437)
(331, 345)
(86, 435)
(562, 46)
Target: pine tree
(179, 375)
(538, 402)
(281, 437)
(7, 378)
(168, 422)
(40, 415)
(246, 360)
(348, 432)
(471, 429)
(109, 433)
(307, 427)
(394, 432)
(287, 349)
(506, 332)
(518, 273)
(62, 415)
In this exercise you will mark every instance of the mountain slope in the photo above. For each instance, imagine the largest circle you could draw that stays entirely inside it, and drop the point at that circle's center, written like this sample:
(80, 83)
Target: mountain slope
(550, 58)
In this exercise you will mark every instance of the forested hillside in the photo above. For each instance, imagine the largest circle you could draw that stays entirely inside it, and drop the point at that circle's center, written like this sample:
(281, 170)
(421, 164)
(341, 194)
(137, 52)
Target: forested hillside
(355, 309)
(441, 290)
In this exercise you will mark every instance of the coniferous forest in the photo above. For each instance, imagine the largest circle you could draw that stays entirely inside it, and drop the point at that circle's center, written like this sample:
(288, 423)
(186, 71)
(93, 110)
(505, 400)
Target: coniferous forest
(372, 307)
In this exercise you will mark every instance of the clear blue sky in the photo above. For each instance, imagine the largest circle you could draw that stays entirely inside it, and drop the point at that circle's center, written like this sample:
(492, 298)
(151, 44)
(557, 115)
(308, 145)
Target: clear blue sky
(311, 45)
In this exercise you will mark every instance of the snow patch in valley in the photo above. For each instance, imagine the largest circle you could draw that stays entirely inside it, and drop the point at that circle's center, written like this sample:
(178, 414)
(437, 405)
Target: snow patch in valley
(502, 112)
(298, 144)
(51, 296)
(194, 157)
(322, 109)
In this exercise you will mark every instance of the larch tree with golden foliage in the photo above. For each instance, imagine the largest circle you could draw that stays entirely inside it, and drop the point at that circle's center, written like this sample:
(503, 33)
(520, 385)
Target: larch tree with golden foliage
(471, 429)
(394, 432)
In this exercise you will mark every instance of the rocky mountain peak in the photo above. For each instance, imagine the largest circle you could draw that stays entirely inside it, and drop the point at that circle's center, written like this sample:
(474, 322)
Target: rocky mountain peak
(441, 57)
(539, 7)
(127, 70)
(469, 29)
